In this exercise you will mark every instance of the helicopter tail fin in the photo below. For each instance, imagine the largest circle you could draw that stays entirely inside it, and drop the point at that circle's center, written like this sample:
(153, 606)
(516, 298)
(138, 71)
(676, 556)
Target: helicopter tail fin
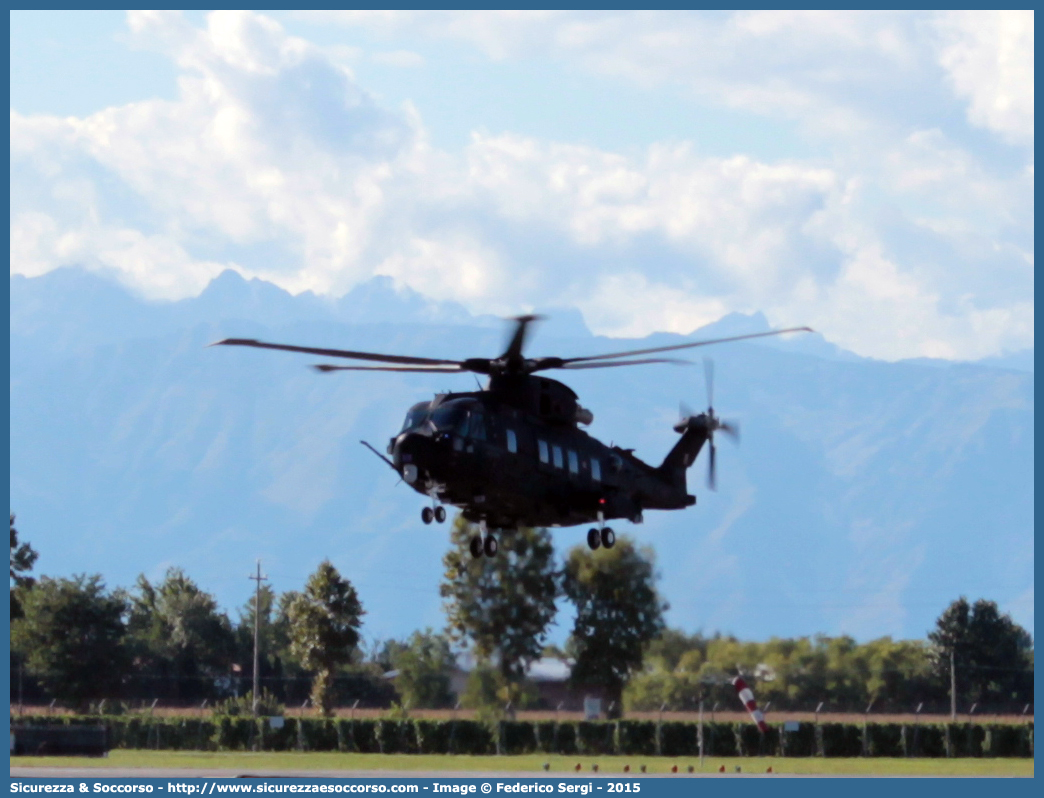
(695, 432)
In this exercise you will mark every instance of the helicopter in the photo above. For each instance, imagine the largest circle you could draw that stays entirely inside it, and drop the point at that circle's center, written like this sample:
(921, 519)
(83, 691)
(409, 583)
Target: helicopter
(513, 453)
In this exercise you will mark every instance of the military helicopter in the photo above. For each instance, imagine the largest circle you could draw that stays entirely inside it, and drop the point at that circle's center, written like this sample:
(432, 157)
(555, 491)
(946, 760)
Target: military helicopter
(513, 454)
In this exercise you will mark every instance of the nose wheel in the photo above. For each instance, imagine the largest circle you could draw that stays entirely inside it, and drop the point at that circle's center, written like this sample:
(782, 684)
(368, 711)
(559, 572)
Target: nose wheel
(436, 513)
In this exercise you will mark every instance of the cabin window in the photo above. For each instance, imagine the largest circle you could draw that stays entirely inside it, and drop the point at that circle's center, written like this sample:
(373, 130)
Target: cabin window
(478, 426)
(512, 441)
(462, 425)
(542, 446)
(596, 470)
(556, 453)
(574, 462)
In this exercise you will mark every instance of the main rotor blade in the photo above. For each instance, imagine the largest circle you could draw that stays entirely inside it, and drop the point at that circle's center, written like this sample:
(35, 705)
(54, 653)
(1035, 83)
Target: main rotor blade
(326, 368)
(675, 361)
(309, 350)
(518, 340)
(712, 472)
(708, 376)
(686, 346)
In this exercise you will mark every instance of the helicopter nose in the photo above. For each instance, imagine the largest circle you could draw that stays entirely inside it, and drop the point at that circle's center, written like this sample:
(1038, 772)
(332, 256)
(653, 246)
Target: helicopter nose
(410, 454)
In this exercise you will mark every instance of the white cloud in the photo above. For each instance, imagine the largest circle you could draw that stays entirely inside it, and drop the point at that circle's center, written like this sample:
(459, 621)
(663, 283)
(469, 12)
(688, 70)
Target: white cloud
(269, 141)
(836, 72)
(989, 57)
(457, 268)
(632, 306)
(274, 161)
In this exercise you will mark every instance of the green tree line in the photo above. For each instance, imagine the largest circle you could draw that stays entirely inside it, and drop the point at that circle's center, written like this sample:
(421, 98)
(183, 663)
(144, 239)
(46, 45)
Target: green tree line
(78, 641)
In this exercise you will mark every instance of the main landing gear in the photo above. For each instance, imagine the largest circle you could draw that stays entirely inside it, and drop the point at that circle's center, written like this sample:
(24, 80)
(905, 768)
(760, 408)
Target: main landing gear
(603, 536)
(483, 543)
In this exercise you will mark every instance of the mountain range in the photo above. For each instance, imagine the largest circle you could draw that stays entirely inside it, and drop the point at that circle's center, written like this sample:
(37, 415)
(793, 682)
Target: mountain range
(864, 497)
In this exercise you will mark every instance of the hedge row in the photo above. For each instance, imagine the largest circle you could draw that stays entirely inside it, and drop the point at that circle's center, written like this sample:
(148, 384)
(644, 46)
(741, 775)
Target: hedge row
(623, 737)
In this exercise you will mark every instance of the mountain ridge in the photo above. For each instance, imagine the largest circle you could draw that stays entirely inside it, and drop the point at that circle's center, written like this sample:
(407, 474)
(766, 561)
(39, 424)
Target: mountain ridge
(861, 500)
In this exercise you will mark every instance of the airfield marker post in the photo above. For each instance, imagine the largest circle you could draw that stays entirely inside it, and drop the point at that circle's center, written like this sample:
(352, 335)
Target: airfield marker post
(659, 731)
(820, 750)
(866, 721)
(701, 734)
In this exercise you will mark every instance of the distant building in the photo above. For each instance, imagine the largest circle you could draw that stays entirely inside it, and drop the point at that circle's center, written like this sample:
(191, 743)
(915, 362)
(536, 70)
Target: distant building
(549, 675)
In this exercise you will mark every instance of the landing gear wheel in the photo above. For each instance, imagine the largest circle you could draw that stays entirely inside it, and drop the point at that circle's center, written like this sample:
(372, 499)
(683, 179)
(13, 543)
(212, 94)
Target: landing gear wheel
(440, 513)
(594, 540)
(427, 514)
(491, 546)
(608, 538)
(476, 547)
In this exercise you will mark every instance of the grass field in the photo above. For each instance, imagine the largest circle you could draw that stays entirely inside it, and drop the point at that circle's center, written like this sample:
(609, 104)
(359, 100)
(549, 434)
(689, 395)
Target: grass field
(294, 761)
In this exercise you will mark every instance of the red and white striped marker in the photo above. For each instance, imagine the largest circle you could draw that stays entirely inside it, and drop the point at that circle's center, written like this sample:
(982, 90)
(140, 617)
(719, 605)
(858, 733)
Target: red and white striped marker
(747, 697)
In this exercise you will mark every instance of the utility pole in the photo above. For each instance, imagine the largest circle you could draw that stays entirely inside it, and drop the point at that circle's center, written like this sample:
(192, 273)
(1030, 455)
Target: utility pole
(953, 686)
(257, 633)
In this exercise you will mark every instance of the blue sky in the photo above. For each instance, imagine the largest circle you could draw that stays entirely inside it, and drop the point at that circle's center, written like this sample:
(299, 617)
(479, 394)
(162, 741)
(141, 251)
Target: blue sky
(869, 174)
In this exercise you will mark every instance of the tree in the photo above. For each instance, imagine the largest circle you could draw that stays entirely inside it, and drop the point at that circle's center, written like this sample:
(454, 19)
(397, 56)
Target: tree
(179, 639)
(424, 665)
(618, 613)
(504, 604)
(22, 559)
(992, 655)
(325, 621)
(71, 634)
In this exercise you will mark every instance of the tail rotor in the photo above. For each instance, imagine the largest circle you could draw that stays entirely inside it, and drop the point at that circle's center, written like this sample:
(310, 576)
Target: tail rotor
(711, 422)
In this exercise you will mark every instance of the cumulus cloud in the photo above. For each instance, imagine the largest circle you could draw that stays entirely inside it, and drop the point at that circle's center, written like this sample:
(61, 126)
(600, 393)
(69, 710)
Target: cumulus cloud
(836, 72)
(268, 142)
(274, 161)
(989, 58)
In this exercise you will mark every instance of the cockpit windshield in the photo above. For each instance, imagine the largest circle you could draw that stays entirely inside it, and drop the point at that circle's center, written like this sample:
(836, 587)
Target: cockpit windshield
(415, 416)
(449, 416)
